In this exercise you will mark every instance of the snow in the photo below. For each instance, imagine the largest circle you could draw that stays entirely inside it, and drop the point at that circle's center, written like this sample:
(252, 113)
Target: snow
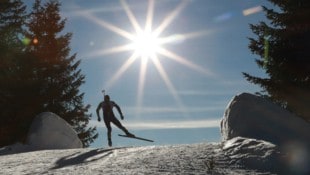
(49, 131)
(170, 159)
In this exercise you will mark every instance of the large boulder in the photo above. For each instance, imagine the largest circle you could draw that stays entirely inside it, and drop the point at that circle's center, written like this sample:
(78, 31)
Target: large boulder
(251, 116)
(49, 131)
(254, 117)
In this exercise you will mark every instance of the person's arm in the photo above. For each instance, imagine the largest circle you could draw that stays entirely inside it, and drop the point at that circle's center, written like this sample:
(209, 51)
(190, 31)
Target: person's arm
(97, 111)
(119, 110)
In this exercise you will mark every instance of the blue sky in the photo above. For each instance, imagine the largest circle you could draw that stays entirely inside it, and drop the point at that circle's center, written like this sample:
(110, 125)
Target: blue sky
(181, 97)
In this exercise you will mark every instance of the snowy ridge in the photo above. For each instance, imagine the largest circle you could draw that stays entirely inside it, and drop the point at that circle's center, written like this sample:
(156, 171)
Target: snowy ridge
(173, 159)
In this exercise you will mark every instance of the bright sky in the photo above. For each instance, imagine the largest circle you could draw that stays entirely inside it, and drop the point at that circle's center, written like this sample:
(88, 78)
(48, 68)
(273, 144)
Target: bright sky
(174, 89)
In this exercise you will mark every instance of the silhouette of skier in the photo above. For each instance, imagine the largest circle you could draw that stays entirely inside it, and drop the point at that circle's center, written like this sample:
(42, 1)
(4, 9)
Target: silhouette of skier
(108, 117)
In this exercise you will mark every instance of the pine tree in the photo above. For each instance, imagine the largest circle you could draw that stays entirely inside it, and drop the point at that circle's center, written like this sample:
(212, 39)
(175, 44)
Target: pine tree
(15, 75)
(283, 46)
(58, 73)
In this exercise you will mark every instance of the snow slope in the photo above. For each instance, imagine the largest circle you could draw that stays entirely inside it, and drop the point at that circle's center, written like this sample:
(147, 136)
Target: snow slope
(173, 159)
(237, 154)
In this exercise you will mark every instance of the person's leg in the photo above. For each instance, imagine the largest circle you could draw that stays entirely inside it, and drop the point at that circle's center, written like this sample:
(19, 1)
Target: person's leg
(109, 129)
(117, 123)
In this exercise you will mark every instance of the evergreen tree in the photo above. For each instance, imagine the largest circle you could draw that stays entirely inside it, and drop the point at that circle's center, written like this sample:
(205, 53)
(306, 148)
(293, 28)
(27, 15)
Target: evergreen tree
(36, 72)
(15, 75)
(58, 73)
(12, 18)
(283, 47)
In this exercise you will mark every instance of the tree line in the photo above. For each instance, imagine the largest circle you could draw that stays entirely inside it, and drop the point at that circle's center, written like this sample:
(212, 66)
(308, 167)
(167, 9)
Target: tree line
(283, 47)
(37, 71)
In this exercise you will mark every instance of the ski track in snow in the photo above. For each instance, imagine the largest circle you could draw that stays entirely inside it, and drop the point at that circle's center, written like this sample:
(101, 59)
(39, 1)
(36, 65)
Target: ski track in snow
(172, 159)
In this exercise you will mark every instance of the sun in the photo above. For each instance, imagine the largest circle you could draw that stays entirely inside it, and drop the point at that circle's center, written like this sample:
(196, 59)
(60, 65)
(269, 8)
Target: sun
(146, 45)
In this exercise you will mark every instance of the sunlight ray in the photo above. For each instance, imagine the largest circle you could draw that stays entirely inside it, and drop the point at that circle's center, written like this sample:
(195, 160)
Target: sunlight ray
(170, 18)
(112, 50)
(182, 37)
(109, 26)
(120, 72)
(142, 75)
(183, 61)
(131, 17)
(146, 43)
(149, 16)
(168, 83)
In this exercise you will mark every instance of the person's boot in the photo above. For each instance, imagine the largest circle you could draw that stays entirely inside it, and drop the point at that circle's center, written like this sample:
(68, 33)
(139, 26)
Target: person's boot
(129, 134)
(110, 142)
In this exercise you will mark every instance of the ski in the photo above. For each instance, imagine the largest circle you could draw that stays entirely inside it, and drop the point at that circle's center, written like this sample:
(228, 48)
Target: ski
(139, 138)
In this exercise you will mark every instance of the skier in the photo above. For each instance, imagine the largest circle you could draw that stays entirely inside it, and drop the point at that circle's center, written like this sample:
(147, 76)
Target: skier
(108, 117)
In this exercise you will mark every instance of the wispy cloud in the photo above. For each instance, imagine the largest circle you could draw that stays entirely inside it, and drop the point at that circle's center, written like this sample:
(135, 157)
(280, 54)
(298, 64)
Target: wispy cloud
(75, 10)
(166, 124)
(204, 93)
(152, 110)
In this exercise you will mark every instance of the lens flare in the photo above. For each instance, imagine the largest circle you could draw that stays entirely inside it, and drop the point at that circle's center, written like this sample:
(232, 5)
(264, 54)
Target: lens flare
(26, 41)
(35, 41)
(252, 10)
(266, 51)
(223, 17)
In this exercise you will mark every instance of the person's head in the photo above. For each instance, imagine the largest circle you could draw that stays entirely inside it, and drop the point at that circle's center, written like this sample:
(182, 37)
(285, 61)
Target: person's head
(107, 98)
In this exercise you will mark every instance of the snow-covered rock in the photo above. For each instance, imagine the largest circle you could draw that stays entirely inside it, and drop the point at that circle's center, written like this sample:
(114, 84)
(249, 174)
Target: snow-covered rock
(49, 131)
(252, 116)
(255, 154)
(264, 156)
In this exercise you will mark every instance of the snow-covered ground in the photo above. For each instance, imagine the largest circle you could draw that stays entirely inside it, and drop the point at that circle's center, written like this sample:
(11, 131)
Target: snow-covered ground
(172, 159)
(255, 140)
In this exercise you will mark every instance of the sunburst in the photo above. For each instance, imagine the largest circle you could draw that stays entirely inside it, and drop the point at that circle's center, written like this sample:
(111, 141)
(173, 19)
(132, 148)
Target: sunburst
(148, 45)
